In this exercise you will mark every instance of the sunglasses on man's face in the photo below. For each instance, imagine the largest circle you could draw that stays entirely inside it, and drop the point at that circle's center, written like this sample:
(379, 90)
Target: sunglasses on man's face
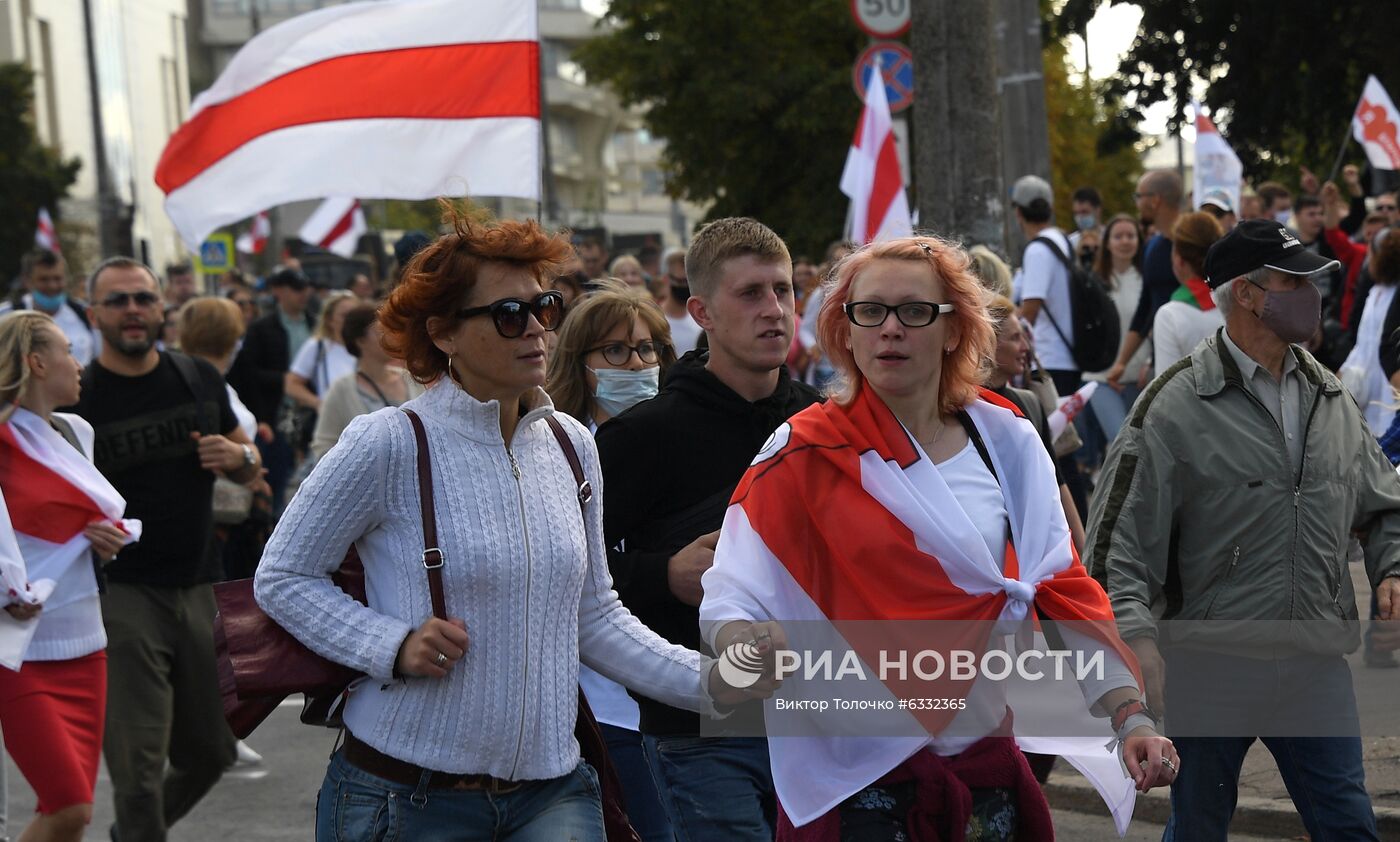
(121, 300)
(512, 315)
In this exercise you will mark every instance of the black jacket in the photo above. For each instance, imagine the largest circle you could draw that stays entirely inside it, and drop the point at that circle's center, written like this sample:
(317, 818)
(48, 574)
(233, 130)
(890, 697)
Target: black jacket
(670, 465)
(258, 371)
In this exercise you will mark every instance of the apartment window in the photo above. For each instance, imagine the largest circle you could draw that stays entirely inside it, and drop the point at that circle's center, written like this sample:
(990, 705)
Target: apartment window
(653, 183)
(561, 4)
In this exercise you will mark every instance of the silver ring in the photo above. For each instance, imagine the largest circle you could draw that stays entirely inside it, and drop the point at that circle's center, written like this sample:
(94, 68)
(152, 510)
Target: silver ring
(766, 635)
(1169, 764)
(441, 659)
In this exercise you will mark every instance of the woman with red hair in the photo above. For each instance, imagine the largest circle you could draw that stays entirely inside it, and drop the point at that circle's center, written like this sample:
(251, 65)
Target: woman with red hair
(464, 726)
(915, 496)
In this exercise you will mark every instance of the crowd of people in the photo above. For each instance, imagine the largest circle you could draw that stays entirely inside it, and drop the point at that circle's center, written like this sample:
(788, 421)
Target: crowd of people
(626, 466)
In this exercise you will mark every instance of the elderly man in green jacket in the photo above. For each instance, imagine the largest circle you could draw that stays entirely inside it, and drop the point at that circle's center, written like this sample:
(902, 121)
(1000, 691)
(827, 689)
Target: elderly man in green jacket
(1220, 529)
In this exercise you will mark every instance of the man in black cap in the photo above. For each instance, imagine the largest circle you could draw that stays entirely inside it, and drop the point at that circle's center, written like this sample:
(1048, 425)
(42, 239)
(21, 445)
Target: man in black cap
(1220, 529)
(260, 368)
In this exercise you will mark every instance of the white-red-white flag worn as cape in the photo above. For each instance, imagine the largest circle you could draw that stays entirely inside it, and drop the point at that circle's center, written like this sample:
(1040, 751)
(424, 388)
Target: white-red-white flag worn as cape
(254, 240)
(1218, 168)
(402, 99)
(879, 206)
(51, 493)
(335, 226)
(44, 235)
(1376, 126)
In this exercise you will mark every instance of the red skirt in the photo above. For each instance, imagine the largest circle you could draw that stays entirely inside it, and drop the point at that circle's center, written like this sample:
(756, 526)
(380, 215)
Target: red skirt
(52, 713)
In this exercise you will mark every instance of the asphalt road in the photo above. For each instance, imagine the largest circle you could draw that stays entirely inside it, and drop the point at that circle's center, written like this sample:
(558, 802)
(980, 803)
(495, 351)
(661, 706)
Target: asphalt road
(277, 802)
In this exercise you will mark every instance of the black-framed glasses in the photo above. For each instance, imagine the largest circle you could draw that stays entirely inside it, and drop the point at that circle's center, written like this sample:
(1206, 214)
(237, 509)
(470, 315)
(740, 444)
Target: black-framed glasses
(910, 313)
(512, 315)
(120, 300)
(618, 353)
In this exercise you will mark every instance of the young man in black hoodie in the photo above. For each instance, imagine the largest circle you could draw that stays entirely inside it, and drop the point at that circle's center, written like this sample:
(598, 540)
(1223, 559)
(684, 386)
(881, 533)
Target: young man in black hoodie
(669, 466)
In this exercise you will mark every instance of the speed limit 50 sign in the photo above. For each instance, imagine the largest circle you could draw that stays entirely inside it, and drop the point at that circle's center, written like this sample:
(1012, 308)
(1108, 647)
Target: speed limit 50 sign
(882, 18)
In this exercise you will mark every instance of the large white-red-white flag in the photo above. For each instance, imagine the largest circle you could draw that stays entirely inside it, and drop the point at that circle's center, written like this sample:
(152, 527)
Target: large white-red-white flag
(1376, 126)
(335, 226)
(402, 99)
(254, 240)
(1218, 168)
(871, 178)
(45, 237)
(51, 492)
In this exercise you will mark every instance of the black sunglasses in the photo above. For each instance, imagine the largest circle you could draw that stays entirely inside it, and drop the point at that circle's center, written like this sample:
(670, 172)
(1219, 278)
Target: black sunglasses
(120, 300)
(618, 353)
(512, 315)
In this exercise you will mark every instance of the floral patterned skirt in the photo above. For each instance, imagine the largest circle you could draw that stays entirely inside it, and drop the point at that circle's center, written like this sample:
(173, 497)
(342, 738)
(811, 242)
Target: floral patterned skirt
(877, 814)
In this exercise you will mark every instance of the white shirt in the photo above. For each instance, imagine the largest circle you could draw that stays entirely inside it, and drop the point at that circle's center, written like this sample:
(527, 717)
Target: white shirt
(1127, 288)
(1177, 329)
(336, 362)
(247, 422)
(1045, 276)
(685, 333)
(81, 335)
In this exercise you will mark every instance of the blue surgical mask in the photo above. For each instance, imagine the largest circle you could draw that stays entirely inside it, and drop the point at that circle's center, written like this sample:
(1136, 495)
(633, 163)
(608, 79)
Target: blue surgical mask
(49, 303)
(1282, 217)
(619, 389)
(1085, 221)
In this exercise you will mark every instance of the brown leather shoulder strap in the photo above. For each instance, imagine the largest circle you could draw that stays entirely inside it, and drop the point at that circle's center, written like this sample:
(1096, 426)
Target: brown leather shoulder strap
(433, 556)
(585, 488)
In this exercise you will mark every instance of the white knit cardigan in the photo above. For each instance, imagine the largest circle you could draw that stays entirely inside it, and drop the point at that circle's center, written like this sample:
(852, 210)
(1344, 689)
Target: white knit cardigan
(524, 571)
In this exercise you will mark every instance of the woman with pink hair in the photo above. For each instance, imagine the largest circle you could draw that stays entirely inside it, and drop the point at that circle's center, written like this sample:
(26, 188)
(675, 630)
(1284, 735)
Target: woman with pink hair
(916, 510)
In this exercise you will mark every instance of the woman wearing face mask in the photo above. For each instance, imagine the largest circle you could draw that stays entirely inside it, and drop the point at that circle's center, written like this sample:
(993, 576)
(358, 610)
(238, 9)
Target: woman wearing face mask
(613, 350)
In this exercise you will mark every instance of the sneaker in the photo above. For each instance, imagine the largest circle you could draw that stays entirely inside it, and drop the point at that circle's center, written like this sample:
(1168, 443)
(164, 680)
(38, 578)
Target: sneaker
(246, 755)
(248, 764)
(1380, 660)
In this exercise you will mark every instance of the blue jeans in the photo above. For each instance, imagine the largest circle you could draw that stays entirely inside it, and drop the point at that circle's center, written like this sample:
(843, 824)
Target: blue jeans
(355, 806)
(643, 803)
(715, 787)
(1237, 700)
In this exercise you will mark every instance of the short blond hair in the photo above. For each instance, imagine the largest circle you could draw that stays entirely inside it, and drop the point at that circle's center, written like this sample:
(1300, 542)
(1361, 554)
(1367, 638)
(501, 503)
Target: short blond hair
(726, 239)
(991, 271)
(210, 327)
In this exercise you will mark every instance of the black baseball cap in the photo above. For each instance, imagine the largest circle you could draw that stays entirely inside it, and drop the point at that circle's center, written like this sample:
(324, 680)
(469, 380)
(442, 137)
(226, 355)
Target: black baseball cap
(289, 278)
(1257, 243)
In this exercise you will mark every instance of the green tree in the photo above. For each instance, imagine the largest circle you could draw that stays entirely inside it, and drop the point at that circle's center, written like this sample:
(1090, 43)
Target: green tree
(755, 103)
(1091, 144)
(1284, 78)
(32, 176)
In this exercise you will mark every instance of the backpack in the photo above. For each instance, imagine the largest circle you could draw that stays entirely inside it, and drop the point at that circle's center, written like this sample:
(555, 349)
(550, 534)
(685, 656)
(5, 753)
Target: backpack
(1097, 327)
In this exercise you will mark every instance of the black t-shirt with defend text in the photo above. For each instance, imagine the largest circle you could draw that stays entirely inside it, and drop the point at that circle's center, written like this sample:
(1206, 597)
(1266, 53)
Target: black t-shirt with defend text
(143, 447)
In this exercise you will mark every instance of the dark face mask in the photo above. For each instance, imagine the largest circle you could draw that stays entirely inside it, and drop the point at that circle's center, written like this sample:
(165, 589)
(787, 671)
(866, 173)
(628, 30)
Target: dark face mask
(1293, 316)
(680, 292)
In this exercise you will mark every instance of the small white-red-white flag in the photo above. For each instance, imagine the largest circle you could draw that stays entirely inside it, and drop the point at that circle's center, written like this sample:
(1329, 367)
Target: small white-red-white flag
(879, 206)
(335, 226)
(45, 237)
(254, 240)
(400, 99)
(1218, 168)
(1376, 126)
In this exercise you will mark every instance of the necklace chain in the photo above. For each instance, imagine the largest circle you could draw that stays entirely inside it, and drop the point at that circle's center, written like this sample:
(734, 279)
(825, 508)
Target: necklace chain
(933, 441)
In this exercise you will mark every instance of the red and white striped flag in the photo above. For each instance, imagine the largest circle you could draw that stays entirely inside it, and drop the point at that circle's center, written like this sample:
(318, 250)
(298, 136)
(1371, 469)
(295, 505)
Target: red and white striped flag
(335, 226)
(254, 240)
(1376, 126)
(45, 237)
(51, 492)
(402, 99)
(879, 206)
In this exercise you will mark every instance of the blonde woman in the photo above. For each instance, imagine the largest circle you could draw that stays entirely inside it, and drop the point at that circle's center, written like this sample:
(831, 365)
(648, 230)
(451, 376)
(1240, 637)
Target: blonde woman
(322, 359)
(628, 269)
(68, 521)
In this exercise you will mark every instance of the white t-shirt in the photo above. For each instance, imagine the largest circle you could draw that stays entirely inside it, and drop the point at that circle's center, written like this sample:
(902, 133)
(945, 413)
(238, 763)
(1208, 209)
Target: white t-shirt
(1176, 331)
(247, 422)
(685, 333)
(335, 364)
(1044, 276)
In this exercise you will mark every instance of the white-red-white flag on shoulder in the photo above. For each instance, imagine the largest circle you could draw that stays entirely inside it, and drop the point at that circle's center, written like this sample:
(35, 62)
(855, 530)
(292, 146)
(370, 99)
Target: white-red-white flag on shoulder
(402, 99)
(879, 206)
(1376, 126)
(254, 240)
(45, 237)
(335, 226)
